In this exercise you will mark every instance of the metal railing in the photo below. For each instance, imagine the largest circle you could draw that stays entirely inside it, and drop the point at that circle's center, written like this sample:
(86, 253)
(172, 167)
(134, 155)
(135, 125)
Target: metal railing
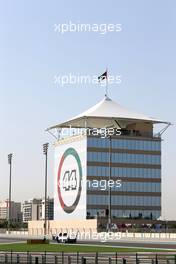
(86, 258)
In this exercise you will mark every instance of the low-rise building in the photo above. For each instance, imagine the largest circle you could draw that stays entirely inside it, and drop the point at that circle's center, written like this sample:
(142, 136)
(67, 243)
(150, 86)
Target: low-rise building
(31, 210)
(16, 214)
(49, 209)
(34, 209)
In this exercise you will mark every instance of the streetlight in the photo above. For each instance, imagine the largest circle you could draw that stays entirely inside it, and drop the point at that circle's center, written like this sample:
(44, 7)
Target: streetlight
(45, 152)
(10, 189)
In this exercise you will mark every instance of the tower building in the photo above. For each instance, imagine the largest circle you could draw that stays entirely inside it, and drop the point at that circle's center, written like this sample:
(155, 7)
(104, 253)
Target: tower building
(107, 164)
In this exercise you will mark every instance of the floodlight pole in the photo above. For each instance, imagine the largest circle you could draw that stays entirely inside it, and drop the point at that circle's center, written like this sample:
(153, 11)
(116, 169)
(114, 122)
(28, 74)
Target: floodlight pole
(45, 152)
(10, 191)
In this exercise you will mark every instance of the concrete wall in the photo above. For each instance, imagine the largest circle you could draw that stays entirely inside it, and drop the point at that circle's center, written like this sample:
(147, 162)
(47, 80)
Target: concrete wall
(53, 227)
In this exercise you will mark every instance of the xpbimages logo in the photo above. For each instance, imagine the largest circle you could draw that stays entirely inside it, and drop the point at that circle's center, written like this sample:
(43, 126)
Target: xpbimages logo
(102, 28)
(84, 79)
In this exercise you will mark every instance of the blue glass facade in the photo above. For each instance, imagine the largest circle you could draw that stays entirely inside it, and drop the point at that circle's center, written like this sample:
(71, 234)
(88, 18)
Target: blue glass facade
(124, 158)
(137, 162)
(124, 172)
(129, 186)
(125, 200)
(125, 213)
(132, 144)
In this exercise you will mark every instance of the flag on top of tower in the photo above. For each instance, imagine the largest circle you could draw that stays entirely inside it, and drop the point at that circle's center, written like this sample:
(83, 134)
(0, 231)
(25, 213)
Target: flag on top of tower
(103, 76)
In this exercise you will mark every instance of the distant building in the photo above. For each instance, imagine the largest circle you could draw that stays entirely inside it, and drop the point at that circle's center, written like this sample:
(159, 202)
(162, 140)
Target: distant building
(34, 209)
(31, 210)
(16, 214)
(49, 209)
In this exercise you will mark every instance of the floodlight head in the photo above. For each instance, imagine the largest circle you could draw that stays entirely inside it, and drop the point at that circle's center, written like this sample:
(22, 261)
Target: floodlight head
(45, 148)
(10, 158)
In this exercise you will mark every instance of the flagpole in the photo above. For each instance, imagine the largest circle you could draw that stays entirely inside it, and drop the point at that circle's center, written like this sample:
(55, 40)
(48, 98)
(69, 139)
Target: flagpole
(102, 77)
(106, 83)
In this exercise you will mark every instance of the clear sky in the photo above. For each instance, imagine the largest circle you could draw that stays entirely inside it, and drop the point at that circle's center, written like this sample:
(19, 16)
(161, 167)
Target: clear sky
(32, 53)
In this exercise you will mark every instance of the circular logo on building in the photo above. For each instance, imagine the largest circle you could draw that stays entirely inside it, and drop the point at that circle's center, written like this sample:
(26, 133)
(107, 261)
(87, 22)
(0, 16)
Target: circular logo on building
(69, 180)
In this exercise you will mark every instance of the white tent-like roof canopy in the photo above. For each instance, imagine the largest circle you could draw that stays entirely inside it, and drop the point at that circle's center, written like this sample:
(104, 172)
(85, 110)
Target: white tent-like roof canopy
(106, 113)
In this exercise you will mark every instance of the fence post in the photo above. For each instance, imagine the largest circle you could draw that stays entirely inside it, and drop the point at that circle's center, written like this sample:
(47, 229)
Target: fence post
(137, 260)
(69, 260)
(116, 257)
(175, 259)
(36, 260)
(18, 259)
(55, 259)
(6, 258)
(96, 258)
(27, 257)
(83, 260)
(156, 259)
(43, 259)
(11, 256)
(77, 257)
(30, 258)
(110, 260)
(124, 261)
(62, 257)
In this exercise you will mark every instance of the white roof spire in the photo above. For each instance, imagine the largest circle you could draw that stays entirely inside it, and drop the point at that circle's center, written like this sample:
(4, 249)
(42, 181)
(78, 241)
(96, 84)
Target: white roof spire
(104, 114)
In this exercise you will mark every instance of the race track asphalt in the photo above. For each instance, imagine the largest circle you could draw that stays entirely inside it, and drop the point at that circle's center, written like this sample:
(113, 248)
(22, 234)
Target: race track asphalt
(140, 244)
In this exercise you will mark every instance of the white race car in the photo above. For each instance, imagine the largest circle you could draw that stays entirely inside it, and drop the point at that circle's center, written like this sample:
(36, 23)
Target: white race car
(65, 238)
